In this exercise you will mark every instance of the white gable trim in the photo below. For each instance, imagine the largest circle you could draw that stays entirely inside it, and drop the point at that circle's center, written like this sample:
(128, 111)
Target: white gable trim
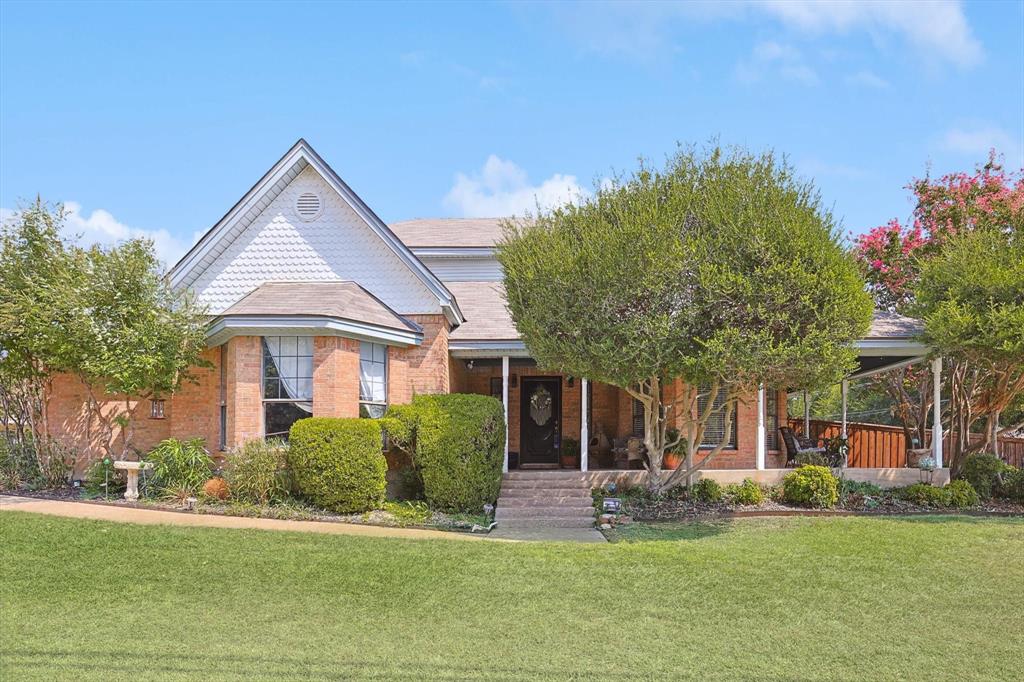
(241, 215)
(223, 328)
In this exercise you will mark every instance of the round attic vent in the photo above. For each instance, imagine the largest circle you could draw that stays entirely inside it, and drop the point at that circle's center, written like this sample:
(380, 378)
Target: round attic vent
(308, 206)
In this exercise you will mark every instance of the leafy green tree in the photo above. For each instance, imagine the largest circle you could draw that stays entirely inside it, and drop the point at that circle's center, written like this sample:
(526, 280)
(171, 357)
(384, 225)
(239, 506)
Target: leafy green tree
(721, 269)
(106, 316)
(971, 297)
(39, 274)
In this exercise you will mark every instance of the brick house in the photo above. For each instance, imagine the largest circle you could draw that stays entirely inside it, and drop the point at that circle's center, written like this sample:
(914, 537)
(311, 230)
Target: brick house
(317, 307)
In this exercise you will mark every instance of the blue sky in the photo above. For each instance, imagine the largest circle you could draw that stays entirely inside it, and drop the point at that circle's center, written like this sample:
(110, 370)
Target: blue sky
(155, 118)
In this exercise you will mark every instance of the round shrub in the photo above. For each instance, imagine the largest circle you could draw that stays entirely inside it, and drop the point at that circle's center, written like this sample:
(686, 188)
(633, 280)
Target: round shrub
(1012, 486)
(960, 494)
(258, 471)
(458, 445)
(338, 464)
(811, 486)
(216, 488)
(924, 494)
(746, 493)
(982, 472)
(707, 490)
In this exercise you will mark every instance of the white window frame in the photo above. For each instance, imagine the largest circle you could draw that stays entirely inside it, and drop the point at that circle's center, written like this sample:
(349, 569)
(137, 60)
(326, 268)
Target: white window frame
(387, 375)
(263, 377)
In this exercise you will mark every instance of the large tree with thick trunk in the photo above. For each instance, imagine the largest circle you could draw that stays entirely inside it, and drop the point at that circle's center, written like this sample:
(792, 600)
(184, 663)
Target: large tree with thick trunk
(720, 269)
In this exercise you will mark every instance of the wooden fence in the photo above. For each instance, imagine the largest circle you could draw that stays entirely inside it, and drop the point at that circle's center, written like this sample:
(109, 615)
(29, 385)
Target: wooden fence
(880, 445)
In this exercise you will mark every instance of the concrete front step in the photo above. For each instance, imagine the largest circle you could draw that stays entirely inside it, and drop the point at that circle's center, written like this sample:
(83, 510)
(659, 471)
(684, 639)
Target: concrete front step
(545, 501)
(545, 492)
(547, 523)
(543, 485)
(543, 512)
(519, 506)
(543, 474)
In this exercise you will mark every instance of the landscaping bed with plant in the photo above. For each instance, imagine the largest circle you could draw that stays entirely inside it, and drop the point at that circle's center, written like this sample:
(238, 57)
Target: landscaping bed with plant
(988, 486)
(330, 470)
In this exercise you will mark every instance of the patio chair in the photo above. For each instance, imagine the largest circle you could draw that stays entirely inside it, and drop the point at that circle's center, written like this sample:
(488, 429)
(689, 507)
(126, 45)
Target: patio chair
(797, 445)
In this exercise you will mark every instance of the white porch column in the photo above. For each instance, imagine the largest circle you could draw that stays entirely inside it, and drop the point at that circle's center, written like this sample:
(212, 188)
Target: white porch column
(937, 411)
(762, 435)
(504, 402)
(584, 426)
(846, 393)
(807, 415)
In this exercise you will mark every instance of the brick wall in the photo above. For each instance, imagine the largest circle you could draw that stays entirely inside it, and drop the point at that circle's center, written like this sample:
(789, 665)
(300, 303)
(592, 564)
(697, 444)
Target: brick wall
(195, 409)
(335, 377)
(423, 368)
(71, 422)
(244, 394)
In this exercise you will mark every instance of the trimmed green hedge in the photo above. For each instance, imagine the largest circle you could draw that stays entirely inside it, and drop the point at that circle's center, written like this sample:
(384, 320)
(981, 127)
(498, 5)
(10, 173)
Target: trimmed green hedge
(457, 442)
(338, 463)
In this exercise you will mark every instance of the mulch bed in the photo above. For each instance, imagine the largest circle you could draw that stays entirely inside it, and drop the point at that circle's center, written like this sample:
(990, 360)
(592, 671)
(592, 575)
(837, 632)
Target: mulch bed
(684, 510)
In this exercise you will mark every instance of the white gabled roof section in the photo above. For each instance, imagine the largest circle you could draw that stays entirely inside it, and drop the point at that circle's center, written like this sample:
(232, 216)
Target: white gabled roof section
(209, 262)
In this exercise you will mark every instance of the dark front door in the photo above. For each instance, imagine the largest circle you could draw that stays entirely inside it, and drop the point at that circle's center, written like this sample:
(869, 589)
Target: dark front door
(539, 433)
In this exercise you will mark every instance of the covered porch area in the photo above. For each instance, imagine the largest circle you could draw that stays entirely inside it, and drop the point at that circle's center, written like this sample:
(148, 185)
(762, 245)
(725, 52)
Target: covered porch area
(557, 421)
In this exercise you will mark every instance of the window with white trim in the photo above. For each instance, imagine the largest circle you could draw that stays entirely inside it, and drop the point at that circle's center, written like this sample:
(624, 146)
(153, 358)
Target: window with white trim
(287, 383)
(714, 429)
(373, 379)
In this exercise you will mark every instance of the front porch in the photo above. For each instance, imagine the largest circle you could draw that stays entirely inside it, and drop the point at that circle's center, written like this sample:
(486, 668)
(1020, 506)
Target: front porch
(548, 413)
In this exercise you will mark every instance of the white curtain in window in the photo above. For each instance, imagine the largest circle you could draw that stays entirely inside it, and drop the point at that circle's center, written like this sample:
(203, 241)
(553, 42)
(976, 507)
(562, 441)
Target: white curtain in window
(373, 358)
(292, 357)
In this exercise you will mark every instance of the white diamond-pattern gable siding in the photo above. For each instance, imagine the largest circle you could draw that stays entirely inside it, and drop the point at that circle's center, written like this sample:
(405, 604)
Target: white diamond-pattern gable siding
(277, 245)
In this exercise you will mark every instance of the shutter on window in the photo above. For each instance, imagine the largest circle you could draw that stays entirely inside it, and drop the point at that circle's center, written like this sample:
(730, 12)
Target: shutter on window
(638, 418)
(714, 430)
(771, 419)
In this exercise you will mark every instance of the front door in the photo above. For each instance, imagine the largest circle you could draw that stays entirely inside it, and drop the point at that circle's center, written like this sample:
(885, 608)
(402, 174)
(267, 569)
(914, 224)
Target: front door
(539, 434)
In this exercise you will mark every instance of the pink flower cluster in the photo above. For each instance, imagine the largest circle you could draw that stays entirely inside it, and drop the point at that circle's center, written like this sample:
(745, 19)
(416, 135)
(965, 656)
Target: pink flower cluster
(890, 254)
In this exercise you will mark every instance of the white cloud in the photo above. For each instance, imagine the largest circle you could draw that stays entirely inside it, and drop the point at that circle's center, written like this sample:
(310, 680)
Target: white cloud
(502, 188)
(976, 141)
(772, 58)
(936, 27)
(868, 79)
(100, 227)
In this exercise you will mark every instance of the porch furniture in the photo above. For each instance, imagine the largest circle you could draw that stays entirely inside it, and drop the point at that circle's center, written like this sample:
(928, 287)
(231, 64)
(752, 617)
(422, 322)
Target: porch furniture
(796, 445)
(619, 453)
(635, 451)
(915, 455)
(131, 493)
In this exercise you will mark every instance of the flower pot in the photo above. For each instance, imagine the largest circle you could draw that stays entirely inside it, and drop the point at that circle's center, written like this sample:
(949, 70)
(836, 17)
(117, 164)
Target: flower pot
(570, 462)
(671, 461)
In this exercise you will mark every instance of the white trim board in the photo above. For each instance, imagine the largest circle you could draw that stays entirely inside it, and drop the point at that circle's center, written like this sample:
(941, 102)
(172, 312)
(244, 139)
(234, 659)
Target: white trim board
(223, 328)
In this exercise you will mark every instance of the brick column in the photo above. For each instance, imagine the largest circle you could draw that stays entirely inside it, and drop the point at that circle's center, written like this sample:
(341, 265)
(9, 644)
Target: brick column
(335, 377)
(244, 395)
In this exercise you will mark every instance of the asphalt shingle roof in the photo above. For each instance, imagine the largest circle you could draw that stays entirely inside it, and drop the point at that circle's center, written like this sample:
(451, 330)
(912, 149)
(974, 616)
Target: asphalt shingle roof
(337, 299)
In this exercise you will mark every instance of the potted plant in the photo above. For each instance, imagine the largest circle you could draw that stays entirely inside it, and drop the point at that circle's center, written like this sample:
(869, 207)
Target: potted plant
(570, 453)
(673, 457)
(836, 449)
(926, 469)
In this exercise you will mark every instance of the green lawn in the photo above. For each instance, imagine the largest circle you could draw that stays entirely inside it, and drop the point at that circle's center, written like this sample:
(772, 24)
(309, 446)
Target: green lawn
(776, 599)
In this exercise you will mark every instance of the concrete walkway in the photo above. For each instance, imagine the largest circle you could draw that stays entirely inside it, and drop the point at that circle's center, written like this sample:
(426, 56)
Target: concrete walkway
(547, 534)
(103, 512)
